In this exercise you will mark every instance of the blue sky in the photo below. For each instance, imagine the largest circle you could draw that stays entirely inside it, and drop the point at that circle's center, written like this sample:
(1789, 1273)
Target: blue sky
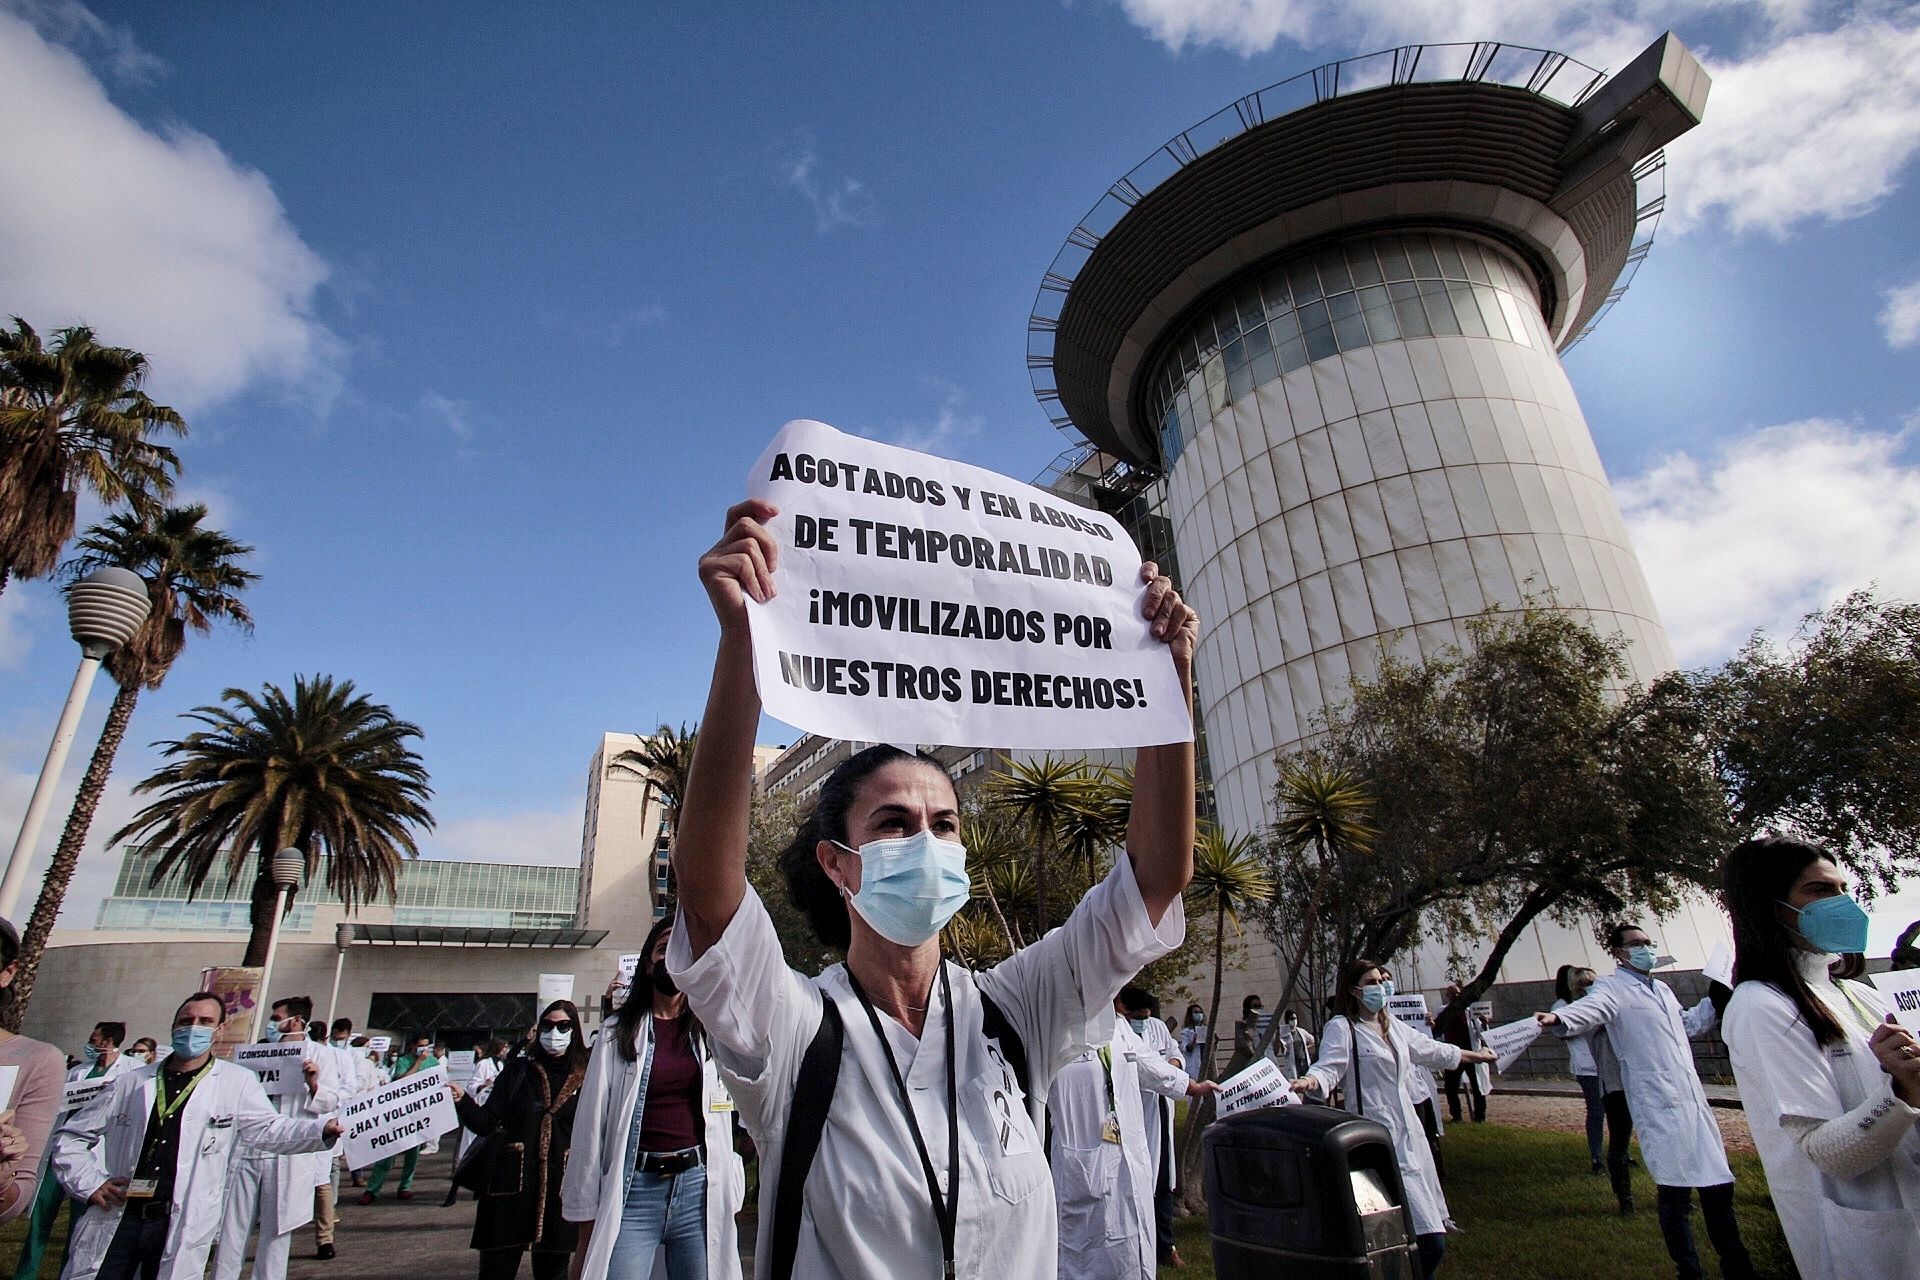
(480, 312)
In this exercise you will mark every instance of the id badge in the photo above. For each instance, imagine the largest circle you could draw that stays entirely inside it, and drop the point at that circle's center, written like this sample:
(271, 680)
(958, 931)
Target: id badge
(142, 1188)
(722, 1100)
(1110, 1131)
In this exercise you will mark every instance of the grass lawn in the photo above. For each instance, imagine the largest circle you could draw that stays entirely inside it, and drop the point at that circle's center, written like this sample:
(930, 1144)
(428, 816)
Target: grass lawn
(1530, 1211)
(14, 1234)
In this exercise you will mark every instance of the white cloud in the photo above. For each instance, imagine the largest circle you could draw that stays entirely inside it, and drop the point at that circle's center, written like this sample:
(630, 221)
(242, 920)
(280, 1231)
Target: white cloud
(836, 201)
(21, 613)
(1814, 114)
(1782, 521)
(157, 239)
(1900, 318)
(941, 434)
(455, 415)
(22, 748)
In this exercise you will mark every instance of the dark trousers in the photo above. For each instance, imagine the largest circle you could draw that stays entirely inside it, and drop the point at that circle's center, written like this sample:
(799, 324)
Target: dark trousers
(1477, 1098)
(1716, 1206)
(1432, 1248)
(135, 1249)
(504, 1264)
(1596, 1114)
(1430, 1122)
(1619, 1134)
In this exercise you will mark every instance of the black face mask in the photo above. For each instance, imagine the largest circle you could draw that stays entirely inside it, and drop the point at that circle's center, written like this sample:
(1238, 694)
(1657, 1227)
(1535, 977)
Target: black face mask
(663, 981)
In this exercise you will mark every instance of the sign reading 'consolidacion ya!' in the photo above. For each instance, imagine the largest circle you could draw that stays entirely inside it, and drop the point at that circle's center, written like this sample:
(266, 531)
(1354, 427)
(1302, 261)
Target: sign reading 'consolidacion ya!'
(923, 600)
(397, 1117)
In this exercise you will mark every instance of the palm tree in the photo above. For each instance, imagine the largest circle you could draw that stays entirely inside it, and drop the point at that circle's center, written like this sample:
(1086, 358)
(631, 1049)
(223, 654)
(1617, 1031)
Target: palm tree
(663, 761)
(72, 417)
(327, 771)
(1096, 820)
(1038, 795)
(194, 579)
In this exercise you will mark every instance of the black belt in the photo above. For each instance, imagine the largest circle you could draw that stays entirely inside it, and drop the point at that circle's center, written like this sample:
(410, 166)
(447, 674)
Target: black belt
(669, 1163)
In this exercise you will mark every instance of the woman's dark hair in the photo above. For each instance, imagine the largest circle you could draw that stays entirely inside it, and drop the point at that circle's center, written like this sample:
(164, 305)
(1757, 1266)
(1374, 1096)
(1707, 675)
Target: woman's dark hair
(1758, 877)
(639, 1002)
(1246, 1006)
(496, 1047)
(1344, 1001)
(1192, 1011)
(1562, 984)
(576, 1054)
(814, 895)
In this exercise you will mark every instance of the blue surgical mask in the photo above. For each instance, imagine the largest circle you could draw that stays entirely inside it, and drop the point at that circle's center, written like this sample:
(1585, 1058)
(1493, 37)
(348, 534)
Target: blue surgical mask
(1643, 957)
(191, 1042)
(273, 1031)
(1139, 1025)
(1388, 984)
(90, 1053)
(911, 886)
(1835, 925)
(1374, 998)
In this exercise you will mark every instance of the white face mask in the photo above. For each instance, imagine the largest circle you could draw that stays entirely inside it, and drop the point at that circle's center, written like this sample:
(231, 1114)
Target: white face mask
(556, 1040)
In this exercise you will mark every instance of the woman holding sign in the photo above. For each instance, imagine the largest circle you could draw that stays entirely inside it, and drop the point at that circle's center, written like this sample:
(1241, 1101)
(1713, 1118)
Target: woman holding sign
(531, 1107)
(1371, 1058)
(1830, 1081)
(889, 1097)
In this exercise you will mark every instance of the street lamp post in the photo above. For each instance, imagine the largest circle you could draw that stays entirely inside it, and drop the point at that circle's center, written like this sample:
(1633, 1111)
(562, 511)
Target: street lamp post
(104, 609)
(286, 867)
(342, 939)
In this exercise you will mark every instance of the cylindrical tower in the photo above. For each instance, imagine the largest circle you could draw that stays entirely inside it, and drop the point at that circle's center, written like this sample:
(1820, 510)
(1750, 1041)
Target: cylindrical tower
(1315, 340)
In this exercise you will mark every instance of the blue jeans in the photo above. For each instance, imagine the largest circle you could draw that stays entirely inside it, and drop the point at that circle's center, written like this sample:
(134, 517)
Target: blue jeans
(1596, 1114)
(669, 1212)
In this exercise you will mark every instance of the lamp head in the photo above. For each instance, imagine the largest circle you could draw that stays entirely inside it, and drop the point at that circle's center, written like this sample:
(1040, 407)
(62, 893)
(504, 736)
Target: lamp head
(287, 867)
(105, 608)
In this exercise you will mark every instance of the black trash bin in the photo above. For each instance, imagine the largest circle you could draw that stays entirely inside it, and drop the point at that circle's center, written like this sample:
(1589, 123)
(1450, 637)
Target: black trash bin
(1306, 1192)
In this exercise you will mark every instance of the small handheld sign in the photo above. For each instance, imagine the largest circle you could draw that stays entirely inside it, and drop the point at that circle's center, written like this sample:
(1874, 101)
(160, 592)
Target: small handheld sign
(279, 1066)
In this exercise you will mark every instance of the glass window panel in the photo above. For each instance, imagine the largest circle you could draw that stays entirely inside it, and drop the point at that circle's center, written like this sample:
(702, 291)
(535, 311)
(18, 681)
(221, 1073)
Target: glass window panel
(1365, 267)
(1516, 322)
(1393, 260)
(1439, 309)
(1256, 341)
(1278, 298)
(1448, 252)
(1314, 315)
(1239, 381)
(1425, 265)
(1252, 314)
(1216, 385)
(1304, 282)
(1292, 353)
(1265, 367)
(1320, 341)
(1333, 272)
(1236, 355)
(1406, 309)
(1489, 303)
(1465, 311)
(1343, 304)
(1226, 322)
(1380, 322)
(1350, 331)
(1284, 327)
(1476, 260)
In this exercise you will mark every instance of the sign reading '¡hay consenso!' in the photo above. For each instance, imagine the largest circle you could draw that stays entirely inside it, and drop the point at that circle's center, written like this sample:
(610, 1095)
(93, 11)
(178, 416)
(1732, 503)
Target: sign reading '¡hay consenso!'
(923, 600)
(397, 1117)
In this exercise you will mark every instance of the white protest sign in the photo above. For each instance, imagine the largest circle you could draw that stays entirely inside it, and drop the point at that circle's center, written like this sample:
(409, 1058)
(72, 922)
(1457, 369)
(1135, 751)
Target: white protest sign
(1410, 1009)
(460, 1064)
(1482, 1009)
(1510, 1041)
(79, 1093)
(9, 1076)
(1719, 967)
(1901, 987)
(553, 986)
(397, 1117)
(1261, 1085)
(279, 1066)
(379, 1044)
(623, 979)
(923, 600)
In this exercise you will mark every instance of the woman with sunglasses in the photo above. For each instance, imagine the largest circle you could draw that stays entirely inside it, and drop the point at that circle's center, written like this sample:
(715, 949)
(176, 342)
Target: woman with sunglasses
(1830, 1081)
(654, 1170)
(532, 1108)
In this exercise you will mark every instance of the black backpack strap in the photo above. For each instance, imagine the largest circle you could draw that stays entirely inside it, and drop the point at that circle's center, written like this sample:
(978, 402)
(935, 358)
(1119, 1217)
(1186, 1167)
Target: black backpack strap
(994, 1025)
(813, 1092)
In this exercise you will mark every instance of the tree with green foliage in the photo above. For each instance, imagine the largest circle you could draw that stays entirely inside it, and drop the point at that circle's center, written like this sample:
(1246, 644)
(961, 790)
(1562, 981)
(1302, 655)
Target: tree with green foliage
(1039, 797)
(326, 771)
(194, 579)
(73, 419)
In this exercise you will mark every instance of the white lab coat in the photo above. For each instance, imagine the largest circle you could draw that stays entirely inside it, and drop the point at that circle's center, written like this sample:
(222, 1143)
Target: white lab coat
(228, 1111)
(1859, 1228)
(867, 1211)
(1580, 1059)
(600, 1164)
(1105, 1189)
(287, 1182)
(1193, 1051)
(1289, 1047)
(1157, 1103)
(1648, 1035)
(1385, 1070)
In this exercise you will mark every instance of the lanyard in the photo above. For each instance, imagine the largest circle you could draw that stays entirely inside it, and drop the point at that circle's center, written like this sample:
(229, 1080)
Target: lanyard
(162, 1109)
(946, 1211)
(1106, 1065)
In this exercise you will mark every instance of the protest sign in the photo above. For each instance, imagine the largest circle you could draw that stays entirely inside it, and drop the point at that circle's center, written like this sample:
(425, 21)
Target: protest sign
(1260, 1085)
(923, 600)
(460, 1064)
(1901, 987)
(553, 986)
(623, 980)
(9, 1076)
(1481, 1009)
(397, 1117)
(237, 987)
(379, 1044)
(277, 1065)
(1410, 1008)
(1510, 1041)
(79, 1093)
(1719, 967)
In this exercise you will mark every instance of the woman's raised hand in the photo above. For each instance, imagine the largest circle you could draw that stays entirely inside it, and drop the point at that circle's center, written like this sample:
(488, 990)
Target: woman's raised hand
(741, 564)
(1173, 619)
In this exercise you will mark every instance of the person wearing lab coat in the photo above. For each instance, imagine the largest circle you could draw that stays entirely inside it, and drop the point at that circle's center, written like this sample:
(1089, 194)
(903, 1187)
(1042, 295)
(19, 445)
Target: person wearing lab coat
(1193, 1042)
(929, 1160)
(1103, 1172)
(276, 1191)
(1142, 1011)
(1649, 1033)
(1370, 1057)
(1831, 1083)
(628, 1214)
(1420, 1093)
(1569, 984)
(153, 1153)
(101, 1060)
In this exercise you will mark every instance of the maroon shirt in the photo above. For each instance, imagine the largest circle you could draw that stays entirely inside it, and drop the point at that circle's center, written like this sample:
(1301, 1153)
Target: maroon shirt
(671, 1121)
